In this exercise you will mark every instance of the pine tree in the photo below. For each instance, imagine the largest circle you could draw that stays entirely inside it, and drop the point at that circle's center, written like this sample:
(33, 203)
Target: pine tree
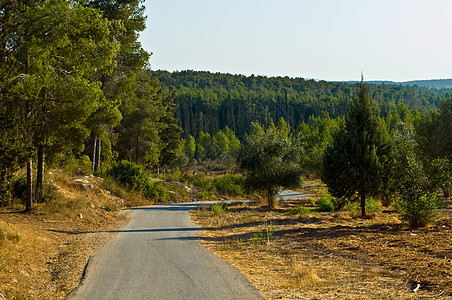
(359, 158)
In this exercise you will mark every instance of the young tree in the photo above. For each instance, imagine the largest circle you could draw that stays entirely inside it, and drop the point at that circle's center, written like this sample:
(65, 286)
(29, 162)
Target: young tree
(417, 202)
(434, 138)
(358, 160)
(271, 159)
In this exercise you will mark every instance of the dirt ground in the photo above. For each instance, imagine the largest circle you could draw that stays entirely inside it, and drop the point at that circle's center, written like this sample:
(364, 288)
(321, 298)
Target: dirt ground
(332, 255)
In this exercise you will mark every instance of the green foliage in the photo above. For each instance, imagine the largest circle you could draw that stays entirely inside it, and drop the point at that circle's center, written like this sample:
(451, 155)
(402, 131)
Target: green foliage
(300, 210)
(317, 134)
(208, 102)
(360, 157)
(326, 202)
(133, 176)
(271, 159)
(156, 190)
(219, 208)
(372, 205)
(70, 163)
(130, 174)
(264, 236)
(419, 211)
(434, 143)
(229, 184)
(417, 202)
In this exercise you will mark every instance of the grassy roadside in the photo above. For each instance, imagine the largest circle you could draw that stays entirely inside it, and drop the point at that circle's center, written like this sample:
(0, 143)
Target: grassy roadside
(296, 252)
(43, 254)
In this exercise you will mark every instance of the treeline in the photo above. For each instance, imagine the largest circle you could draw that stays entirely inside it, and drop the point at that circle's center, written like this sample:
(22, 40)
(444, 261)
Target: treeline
(209, 102)
(75, 89)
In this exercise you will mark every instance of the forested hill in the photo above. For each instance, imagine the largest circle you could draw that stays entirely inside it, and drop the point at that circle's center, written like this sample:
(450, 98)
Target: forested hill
(210, 101)
(431, 83)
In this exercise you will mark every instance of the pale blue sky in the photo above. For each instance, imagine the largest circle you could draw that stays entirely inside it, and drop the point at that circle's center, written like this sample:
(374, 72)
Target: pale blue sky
(395, 40)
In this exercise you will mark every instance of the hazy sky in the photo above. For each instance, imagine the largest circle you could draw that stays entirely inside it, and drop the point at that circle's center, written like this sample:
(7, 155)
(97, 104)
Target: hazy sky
(395, 40)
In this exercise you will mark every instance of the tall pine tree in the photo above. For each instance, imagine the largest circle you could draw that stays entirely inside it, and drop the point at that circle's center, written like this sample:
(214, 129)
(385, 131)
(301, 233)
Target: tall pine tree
(358, 162)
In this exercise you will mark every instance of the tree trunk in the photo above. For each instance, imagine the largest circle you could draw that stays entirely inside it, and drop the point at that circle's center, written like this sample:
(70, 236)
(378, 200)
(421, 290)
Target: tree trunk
(271, 200)
(97, 155)
(29, 186)
(363, 204)
(93, 157)
(97, 143)
(447, 190)
(40, 174)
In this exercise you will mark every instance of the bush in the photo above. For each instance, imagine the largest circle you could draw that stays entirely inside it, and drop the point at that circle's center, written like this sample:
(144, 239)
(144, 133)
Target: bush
(201, 181)
(219, 208)
(229, 184)
(299, 210)
(129, 174)
(326, 202)
(133, 176)
(70, 163)
(419, 211)
(157, 191)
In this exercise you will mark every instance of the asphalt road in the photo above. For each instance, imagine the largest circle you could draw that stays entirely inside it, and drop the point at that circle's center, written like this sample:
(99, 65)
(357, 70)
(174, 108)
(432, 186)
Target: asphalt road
(289, 195)
(158, 256)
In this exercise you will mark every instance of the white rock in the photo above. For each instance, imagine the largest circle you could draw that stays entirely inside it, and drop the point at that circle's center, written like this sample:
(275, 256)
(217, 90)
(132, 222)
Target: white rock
(82, 180)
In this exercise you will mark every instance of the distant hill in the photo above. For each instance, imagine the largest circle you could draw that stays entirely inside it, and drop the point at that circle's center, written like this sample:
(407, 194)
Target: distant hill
(209, 102)
(431, 83)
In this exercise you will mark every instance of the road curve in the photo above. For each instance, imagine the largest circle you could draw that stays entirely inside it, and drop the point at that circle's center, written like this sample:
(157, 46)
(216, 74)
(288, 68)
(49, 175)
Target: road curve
(158, 256)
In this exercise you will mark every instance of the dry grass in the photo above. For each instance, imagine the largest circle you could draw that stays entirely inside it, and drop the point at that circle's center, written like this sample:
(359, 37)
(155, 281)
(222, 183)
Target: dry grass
(54, 242)
(332, 255)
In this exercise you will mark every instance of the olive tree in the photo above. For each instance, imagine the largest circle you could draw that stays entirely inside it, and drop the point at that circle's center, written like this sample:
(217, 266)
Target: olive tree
(270, 159)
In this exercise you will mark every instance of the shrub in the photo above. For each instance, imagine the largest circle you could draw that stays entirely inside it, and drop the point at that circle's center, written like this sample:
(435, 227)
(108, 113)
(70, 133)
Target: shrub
(156, 190)
(229, 184)
(130, 174)
(299, 210)
(201, 181)
(219, 208)
(133, 176)
(326, 202)
(70, 163)
(418, 211)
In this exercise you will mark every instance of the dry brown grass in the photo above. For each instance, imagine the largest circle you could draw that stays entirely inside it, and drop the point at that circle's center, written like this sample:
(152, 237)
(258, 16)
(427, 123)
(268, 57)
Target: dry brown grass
(54, 242)
(332, 255)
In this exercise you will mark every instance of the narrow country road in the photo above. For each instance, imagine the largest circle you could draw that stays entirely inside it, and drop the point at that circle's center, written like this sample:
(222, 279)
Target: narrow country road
(158, 256)
(289, 195)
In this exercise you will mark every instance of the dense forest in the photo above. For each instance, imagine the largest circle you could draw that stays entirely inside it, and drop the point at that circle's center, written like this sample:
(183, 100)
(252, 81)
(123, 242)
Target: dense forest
(209, 102)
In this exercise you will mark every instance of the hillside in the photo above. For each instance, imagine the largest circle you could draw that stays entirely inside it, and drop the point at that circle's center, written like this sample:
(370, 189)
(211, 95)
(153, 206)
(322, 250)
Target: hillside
(431, 83)
(210, 101)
